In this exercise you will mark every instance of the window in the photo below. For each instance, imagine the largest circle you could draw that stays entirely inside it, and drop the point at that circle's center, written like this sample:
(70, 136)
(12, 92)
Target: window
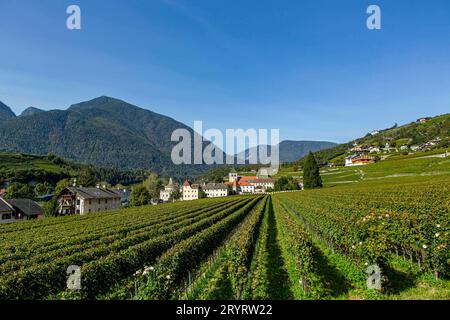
(6, 216)
(106, 201)
(78, 202)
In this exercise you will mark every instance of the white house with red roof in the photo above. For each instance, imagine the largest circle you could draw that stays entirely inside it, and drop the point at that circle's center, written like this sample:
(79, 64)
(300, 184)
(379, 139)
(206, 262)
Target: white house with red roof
(189, 191)
(249, 184)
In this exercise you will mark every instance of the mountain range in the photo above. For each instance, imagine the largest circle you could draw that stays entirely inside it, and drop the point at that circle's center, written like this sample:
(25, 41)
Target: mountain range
(289, 150)
(30, 111)
(109, 132)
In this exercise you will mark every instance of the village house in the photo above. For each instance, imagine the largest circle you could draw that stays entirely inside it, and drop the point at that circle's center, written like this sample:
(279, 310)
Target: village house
(80, 200)
(13, 210)
(165, 194)
(215, 190)
(423, 120)
(246, 187)
(190, 191)
(249, 184)
(6, 211)
(356, 148)
(374, 150)
(265, 183)
(358, 160)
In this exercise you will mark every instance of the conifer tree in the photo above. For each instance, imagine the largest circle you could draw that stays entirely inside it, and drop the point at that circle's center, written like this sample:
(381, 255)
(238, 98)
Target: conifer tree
(311, 175)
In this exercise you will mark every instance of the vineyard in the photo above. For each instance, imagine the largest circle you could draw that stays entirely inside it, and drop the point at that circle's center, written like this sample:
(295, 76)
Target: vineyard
(316, 244)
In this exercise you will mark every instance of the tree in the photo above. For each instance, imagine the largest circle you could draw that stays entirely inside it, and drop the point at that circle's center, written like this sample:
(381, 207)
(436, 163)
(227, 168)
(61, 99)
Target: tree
(175, 195)
(140, 196)
(60, 186)
(43, 188)
(202, 194)
(281, 183)
(19, 191)
(285, 183)
(86, 178)
(311, 174)
(154, 184)
(51, 208)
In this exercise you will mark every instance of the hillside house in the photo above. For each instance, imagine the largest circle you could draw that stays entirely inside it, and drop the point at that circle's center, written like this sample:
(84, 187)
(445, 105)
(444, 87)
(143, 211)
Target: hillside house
(190, 191)
(79, 200)
(13, 210)
(26, 209)
(358, 160)
(356, 148)
(215, 190)
(423, 120)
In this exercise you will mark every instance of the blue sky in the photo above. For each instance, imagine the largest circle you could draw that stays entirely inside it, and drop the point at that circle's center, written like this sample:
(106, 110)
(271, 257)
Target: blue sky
(310, 68)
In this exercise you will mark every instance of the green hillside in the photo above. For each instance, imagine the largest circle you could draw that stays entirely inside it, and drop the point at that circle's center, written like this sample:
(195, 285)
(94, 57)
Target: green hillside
(32, 169)
(424, 164)
(23, 168)
(409, 135)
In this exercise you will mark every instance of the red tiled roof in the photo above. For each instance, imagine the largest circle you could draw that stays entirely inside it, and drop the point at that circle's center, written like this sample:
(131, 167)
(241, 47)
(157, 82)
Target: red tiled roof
(246, 178)
(263, 180)
(186, 184)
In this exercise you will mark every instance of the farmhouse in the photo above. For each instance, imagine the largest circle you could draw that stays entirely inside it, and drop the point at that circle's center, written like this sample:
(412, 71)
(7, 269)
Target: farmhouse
(13, 210)
(26, 209)
(358, 160)
(79, 200)
(423, 120)
(215, 190)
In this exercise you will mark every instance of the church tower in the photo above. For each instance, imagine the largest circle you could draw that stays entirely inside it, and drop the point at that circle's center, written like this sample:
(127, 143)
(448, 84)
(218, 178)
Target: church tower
(232, 176)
